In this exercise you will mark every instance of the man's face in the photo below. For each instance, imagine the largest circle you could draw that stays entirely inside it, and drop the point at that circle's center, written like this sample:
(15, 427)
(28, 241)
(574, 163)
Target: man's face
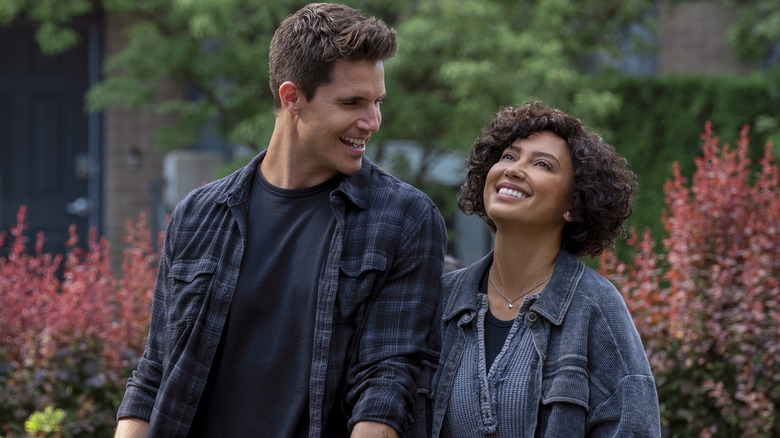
(335, 125)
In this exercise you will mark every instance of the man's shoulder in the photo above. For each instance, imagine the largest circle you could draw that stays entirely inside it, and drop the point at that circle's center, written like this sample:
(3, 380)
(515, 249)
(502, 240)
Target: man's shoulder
(203, 197)
(216, 191)
(389, 188)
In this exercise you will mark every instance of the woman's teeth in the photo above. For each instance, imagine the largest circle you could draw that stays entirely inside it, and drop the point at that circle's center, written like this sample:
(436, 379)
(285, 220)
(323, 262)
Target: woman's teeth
(510, 192)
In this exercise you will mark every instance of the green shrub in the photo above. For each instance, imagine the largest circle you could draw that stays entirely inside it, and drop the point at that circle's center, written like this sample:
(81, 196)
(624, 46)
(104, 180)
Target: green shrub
(42, 424)
(660, 122)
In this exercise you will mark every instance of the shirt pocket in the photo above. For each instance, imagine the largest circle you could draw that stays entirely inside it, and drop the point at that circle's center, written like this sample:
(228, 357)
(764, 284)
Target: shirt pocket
(359, 277)
(188, 283)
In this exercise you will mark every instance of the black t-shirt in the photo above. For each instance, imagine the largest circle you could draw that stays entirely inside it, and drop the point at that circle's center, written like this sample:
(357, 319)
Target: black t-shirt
(259, 382)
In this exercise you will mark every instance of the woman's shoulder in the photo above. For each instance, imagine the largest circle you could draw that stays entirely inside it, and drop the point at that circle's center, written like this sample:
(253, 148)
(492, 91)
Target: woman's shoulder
(598, 288)
(448, 278)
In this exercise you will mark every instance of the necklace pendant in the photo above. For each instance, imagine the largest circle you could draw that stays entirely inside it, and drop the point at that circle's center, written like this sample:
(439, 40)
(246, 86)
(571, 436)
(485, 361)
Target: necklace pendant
(511, 304)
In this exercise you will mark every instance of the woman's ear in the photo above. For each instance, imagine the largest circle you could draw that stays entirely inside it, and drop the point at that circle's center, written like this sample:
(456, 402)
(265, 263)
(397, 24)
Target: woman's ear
(290, 97)
(567, 216)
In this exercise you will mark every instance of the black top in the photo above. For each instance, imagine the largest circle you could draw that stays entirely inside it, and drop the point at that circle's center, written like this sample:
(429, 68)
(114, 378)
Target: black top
(259, 382)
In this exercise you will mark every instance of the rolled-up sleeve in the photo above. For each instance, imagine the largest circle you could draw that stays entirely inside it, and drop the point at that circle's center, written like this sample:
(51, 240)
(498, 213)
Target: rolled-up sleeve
(393, 343)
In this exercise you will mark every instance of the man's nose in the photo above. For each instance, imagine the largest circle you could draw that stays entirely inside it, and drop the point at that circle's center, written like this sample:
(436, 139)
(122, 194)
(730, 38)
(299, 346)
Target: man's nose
(371, 119)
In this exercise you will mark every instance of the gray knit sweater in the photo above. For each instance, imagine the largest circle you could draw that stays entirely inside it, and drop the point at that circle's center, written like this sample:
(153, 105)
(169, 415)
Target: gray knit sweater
(489, 402)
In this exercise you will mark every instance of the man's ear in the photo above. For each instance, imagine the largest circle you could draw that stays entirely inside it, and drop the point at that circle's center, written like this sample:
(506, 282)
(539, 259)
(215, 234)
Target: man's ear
(290, 96)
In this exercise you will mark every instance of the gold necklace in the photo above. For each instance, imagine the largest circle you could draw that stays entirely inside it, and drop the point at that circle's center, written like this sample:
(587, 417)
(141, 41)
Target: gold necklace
(511, 302)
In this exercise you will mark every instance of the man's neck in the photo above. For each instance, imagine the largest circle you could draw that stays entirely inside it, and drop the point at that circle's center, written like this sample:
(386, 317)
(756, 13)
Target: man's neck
(282, 168)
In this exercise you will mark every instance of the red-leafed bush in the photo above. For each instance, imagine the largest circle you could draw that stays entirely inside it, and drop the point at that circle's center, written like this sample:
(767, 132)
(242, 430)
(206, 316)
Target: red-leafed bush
(707, 303)
(70, 330)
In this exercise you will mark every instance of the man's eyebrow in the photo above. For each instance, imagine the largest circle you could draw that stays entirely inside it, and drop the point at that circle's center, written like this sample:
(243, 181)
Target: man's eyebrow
(359, 98)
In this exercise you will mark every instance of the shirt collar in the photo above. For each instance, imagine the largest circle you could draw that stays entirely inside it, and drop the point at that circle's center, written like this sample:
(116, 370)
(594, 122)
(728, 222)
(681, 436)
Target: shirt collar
(238, 191)
(353, 187)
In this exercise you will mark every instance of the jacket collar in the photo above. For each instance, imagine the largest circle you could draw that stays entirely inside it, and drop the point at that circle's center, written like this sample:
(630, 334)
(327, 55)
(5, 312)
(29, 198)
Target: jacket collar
(462, 293)
(559, 293)
(354, 187)
(552, 304)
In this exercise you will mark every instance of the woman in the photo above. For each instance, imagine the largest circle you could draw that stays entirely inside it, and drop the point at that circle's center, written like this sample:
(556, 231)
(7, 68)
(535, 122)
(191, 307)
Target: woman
(536, 344)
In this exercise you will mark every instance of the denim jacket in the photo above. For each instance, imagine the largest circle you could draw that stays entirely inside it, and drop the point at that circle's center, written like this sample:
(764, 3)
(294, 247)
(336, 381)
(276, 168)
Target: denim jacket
(590, 373)
(375, 300)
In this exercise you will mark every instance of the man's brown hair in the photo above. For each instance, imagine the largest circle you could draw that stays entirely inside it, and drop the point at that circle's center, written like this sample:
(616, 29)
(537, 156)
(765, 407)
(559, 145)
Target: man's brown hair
(307, 44)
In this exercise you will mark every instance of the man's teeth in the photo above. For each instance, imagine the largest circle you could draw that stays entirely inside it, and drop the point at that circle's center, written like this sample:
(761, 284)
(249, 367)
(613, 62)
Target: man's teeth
(510, 192)
(356, 142)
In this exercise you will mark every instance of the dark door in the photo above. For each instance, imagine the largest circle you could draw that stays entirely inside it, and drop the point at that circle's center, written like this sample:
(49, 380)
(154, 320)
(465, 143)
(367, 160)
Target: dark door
(46, 160)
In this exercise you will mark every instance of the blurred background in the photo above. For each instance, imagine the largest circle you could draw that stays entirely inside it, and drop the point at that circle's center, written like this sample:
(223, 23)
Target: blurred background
(111, 108)
(114, 107)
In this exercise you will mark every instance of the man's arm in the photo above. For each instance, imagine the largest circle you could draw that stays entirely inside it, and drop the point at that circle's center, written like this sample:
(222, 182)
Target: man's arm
(373, 429)
(133, 428)
(383, 382)
(144, 383)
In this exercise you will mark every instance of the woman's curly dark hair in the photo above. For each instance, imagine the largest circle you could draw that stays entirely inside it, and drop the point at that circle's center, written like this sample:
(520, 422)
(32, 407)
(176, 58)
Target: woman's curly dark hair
(603, 187)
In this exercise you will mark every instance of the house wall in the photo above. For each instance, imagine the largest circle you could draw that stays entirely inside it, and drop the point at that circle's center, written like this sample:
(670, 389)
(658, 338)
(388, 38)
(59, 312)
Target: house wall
(132, 163)
(692, 39)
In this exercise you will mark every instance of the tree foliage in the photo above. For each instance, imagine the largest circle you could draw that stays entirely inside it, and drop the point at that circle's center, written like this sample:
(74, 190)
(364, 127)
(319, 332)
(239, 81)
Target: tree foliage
(708, 304)
(458, 60)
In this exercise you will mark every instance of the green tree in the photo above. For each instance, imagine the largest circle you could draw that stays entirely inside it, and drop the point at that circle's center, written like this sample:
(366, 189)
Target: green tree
(458, 60)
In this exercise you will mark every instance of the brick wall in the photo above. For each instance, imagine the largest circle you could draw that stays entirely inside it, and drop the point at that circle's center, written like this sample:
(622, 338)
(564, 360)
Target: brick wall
(132, 162)
(692, 39)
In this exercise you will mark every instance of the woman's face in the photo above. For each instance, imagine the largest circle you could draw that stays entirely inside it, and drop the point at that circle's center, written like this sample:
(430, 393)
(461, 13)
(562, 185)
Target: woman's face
(531, 184)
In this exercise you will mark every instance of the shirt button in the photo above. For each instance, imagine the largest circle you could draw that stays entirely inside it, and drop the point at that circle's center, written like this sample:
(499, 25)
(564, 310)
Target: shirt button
(208, 345)
(190, 400)
(531, 317)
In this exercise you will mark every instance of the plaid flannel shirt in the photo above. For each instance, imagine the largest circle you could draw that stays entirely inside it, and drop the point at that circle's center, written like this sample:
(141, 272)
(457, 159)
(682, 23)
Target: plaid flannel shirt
(377, 295)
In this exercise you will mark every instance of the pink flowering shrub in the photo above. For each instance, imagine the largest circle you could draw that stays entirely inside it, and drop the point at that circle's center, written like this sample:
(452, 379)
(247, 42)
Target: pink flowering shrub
(70, 330)
(707, 302)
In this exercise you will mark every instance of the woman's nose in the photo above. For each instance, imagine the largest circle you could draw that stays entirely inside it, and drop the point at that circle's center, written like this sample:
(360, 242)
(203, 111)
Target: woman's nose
(515, 171)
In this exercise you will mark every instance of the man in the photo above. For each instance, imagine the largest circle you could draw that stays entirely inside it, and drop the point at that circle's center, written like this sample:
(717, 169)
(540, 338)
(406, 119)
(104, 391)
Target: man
(294, 296)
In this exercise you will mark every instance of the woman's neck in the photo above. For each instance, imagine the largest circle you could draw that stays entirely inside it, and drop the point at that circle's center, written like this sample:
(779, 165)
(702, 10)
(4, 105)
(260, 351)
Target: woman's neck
(524, 259)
